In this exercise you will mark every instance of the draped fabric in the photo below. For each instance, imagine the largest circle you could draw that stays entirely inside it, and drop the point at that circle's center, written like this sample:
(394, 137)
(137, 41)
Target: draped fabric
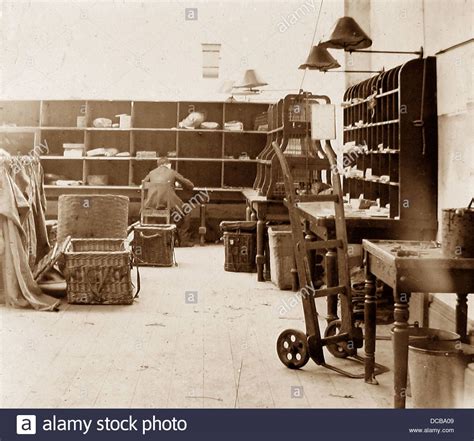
(23, 236)
(29, 180)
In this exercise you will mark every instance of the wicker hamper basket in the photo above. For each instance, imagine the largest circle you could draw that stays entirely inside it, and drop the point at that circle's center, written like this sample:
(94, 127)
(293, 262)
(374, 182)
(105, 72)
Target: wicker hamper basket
(83, 216)
(98, 272)
(153, 245)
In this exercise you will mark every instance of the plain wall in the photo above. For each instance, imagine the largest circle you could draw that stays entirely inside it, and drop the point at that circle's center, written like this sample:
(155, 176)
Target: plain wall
(148, 50)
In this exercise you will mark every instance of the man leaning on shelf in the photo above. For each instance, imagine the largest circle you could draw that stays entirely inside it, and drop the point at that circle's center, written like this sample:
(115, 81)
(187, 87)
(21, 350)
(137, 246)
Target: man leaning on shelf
(165, 195)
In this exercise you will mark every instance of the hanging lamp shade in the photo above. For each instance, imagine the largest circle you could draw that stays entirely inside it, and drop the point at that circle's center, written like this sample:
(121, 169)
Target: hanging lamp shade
(226, 86)
(251, 79)
(348, 35)
(320, 59)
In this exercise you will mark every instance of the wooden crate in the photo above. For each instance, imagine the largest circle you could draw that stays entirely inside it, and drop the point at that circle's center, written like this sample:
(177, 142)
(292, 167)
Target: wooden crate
(240, 246)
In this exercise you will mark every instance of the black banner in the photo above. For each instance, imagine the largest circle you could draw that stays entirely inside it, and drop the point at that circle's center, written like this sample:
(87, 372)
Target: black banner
(240, 424)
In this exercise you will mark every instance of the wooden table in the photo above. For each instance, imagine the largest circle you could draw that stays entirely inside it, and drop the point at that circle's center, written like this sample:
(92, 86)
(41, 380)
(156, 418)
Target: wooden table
(407, 267)
(263, 210)
(359, 225)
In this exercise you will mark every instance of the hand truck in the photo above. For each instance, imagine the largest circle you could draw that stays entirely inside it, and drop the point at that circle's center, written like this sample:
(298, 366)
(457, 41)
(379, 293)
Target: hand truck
(342, 338)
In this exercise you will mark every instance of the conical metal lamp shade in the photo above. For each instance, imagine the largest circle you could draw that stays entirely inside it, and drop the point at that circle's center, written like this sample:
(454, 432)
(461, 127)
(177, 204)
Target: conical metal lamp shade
(320, 59)
(348, 35)
(226, 86)
(250, 79)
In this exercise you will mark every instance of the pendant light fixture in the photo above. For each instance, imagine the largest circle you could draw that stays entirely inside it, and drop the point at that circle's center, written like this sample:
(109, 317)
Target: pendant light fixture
(320, 59)
(250, 80)
(349, 36)
(247, 86)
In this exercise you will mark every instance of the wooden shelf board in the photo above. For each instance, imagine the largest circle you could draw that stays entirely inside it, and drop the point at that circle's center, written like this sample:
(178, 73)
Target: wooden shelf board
(58, 157)
(127, 158)
(367, 126)
(200, 159)
(92, 187)
(279, 129)
(88, 158)
(395, 184)
(380, 95)
(252, 132)
(378, 152)
(374, 152)
(59, 128)
(24, 129)
(133, 129)
(107, 158)
(137, 188)
(105, 129)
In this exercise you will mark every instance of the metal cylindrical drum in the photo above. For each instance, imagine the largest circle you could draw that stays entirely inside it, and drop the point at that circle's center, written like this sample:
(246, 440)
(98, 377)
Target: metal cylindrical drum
(457, 232)
(281, 255)
(417, 333)
(436, 373)
(469, 386)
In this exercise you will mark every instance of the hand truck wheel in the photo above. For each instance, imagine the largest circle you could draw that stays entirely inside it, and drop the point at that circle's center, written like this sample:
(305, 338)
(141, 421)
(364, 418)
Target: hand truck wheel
(292, 348)
(338, 350)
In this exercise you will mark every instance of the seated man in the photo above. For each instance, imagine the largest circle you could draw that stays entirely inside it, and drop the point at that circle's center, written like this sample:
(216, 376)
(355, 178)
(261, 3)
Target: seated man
(160, 195)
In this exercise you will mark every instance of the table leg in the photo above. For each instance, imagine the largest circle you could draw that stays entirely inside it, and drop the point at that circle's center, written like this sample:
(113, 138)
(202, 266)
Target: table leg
(331, 280)
(295, 281)
(202, 226)
(311, 255)
(260, 259)
(248, 213)
(370, 316)
(266, 255)
(400, 348)
(426, 310)
(461, 316)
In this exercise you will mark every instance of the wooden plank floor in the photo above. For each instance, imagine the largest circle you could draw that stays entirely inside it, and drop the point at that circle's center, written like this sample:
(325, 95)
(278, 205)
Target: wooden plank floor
(164, 352)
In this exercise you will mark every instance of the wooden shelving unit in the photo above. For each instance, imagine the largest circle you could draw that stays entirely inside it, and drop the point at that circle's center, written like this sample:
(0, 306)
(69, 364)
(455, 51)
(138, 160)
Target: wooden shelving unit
(394, 115)
(210, 158)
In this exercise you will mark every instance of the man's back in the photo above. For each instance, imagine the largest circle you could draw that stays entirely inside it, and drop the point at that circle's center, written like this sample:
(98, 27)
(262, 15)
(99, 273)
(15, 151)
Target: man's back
(160, 184)
(161, 195)
(163, 175)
